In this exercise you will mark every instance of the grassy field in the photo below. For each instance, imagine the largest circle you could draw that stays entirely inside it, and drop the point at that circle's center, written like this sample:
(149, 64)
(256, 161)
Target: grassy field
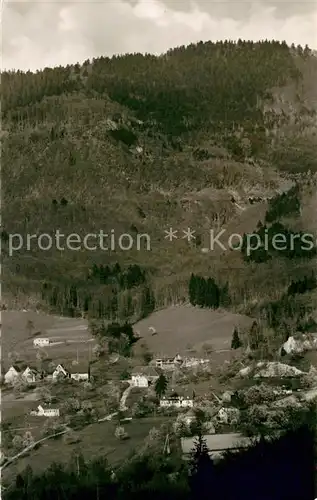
(95, 440)
(181, 329)
(16, 337)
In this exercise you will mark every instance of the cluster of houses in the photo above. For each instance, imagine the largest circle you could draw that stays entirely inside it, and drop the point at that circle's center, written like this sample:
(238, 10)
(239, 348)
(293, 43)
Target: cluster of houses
(144, 377)
(31, 375)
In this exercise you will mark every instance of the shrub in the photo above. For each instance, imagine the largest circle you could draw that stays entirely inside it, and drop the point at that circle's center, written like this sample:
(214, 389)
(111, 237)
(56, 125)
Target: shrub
(17, 443)
(71, 438)
(120, 433)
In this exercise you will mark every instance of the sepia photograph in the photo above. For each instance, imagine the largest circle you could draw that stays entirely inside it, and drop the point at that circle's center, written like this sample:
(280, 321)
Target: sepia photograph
(158, 238)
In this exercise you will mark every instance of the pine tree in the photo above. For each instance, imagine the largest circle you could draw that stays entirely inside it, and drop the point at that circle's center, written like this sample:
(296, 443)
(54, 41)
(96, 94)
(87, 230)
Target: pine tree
(210, 293)
(202, 473)
(201, 291)
(199, 451)
(148, 302)
(255, 336)
(161, 385)
(192, 289)
(224, 299)
(236, 342)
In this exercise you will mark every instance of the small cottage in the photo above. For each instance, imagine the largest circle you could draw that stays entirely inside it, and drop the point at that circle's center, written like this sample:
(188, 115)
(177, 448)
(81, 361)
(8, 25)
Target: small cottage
(12, 375)
(143, 376)
(228, 415)
(138, 380)
(30, 375)
(60, 372)
(80, 372)
(41, 342)
(168, 362)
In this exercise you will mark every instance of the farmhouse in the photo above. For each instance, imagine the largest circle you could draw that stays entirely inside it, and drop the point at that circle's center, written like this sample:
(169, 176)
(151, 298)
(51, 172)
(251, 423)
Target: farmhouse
(228, 415)
(80, 372)
(176, 401)
(191, 362)
(139, 380)
(45, 412)
(166, 362)
(143, 376)
(60, 372)
(30, 375)
(12, 375)
(41, 342)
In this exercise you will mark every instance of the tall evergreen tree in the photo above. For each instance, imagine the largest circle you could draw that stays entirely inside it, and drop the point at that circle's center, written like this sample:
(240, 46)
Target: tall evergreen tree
(202, 471)
(255, 336)
(192, 290)
(148, 302)
(161, 386)
(236, 342)
(201, 291)
(224, 299)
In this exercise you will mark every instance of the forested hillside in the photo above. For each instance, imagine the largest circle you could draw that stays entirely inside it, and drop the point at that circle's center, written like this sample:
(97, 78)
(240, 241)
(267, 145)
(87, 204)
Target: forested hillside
(140, 143)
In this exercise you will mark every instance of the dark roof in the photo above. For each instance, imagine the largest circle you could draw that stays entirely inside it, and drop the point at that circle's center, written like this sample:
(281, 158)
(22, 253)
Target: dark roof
(16, 367)
(81, 367)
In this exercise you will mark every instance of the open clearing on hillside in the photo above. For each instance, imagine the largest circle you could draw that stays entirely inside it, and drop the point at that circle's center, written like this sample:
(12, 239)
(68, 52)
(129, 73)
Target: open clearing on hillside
(180, 328)
(16, 336)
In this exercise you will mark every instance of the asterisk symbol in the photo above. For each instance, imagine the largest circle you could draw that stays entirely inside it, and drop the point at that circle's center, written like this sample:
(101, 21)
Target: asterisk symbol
(170, 234)
(189, 234)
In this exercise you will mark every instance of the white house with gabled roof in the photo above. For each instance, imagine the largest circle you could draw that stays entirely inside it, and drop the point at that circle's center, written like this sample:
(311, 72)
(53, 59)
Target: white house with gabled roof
(30, 375)
(12, 375)
(60, 372)
(143, 376)
(45, 412)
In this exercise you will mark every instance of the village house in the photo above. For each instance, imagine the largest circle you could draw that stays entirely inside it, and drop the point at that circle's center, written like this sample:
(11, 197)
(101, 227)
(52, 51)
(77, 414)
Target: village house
(191, 362)
(80, 377)
(45, 412)
(168, 362)
(139, 380)
(12, 375)
(143, 376)
(228, 415)
(80, 372)
(30, 375)
(177, 401)
(41, 342)
(60, 372)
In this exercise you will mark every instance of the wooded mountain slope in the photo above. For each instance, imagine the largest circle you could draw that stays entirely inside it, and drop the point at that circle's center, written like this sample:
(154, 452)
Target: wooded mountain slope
(140, 143)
